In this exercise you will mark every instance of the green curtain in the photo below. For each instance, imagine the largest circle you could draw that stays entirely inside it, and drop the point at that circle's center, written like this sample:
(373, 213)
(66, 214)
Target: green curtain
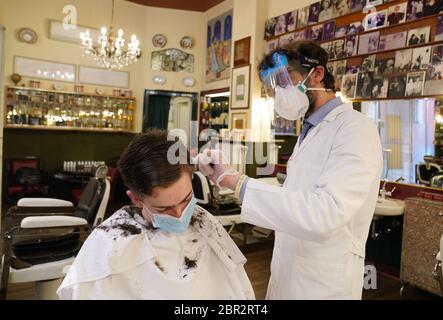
(156, 111)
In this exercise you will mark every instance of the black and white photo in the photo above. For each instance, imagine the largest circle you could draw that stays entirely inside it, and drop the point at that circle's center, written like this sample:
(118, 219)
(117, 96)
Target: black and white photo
(403, 60)
(348, 86)
(397, 87)
(303, 16)
(270, 27)
(415, 10)
(314, 11)
(351, 44)
(439, 29)
(421, 58)
(358, 5)
(380, 87)
(397, 14)
(341, 8)
(368, 63)
(329, 30)
(392, 41)
(317, 33)
(364, 85)
(415, 84)
(418, 36)
(341, 32)
(326, 10)
(368, 43)
(355, 27)
(338, 49)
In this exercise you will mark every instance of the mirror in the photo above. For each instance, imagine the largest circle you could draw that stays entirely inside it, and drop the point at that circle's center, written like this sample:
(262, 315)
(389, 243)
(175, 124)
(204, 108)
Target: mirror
(411, 133)
(42, 69)
(173, 60)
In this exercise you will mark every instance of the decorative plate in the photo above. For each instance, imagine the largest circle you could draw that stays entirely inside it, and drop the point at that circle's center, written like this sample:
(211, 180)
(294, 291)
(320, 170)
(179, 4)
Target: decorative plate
(188, 81)
(159, 79)
(159, 41)
(187, 42)
(27, 35)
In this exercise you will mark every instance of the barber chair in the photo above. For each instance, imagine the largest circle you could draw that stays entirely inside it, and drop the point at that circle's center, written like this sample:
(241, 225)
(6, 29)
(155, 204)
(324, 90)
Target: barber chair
(438, 269)
(42, 236)
(425, 172)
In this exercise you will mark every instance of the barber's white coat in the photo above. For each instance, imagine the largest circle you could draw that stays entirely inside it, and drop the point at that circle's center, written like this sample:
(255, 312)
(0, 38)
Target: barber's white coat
(321, 216)
(125, 258)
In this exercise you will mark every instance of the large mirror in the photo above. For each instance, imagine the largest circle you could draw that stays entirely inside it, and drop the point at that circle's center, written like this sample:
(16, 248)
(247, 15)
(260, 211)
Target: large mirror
(411, 133)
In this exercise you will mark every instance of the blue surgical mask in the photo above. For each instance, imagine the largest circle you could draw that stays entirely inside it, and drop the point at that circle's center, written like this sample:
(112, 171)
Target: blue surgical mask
(172, 224)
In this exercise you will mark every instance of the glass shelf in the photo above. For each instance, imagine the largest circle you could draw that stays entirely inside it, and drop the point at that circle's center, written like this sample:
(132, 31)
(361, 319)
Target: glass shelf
(29, 108)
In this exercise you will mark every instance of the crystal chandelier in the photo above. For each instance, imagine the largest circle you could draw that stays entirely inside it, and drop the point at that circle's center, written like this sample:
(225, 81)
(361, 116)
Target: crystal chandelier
(109, 51)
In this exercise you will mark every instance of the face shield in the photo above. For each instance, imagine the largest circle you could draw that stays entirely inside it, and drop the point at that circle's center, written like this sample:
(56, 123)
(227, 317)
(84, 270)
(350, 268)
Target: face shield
(290, 100)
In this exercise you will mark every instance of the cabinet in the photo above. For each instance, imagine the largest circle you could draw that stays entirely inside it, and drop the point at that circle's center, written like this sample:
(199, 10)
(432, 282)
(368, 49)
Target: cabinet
(31, 108)
(422, 230)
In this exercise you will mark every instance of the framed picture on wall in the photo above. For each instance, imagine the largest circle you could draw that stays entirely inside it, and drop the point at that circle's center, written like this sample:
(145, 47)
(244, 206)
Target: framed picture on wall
(242, 49)
(240, 87)
(238, 121)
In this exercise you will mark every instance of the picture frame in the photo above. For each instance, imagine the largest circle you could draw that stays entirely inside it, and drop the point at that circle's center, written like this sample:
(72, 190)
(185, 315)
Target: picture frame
(240, 87)
(45, 69)
(239, 121)
(242, 52)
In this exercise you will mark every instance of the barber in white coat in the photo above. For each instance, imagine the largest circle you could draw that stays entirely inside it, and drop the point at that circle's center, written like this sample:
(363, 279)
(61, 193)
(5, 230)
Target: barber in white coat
(321, 215)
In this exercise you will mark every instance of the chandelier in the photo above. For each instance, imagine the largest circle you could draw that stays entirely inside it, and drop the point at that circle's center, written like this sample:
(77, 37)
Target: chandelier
(109, 51)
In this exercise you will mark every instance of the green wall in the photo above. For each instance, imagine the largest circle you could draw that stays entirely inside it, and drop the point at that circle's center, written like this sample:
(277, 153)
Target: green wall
(54, 147)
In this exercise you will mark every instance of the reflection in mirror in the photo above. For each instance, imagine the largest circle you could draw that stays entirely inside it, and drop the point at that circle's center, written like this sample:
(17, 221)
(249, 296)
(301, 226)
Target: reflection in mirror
(407, 132)
(172, 60)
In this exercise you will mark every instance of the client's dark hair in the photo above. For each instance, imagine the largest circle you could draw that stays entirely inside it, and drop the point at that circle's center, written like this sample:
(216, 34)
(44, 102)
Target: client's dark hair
(144, 165)
(302, 56)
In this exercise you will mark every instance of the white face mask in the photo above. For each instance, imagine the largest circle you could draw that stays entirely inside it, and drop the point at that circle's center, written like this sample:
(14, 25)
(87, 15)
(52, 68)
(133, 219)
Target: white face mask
(291, 102)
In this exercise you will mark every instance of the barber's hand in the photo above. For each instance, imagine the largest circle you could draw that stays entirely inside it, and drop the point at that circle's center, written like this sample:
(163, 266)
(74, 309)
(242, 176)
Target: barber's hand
(214, 164)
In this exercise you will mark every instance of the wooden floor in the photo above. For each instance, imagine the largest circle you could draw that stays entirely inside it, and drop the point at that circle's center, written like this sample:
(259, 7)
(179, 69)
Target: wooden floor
(258, 268)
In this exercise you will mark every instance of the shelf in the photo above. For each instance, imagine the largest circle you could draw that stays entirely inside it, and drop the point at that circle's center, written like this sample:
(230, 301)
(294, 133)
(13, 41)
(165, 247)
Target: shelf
(71, 93)
(395, 98)
(357, 13)
(37, 127)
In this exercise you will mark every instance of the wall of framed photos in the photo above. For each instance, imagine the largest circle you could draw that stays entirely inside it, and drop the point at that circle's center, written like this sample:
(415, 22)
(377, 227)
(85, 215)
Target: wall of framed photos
(377, 49)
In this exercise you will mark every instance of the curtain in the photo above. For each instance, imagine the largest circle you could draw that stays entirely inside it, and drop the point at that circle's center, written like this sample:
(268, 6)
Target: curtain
(156, 111)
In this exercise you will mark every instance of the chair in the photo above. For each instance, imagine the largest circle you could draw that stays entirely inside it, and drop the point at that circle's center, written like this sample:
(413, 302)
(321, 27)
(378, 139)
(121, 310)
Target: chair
(42, 236)
(201, 187)
(425, 171)
(14, 190)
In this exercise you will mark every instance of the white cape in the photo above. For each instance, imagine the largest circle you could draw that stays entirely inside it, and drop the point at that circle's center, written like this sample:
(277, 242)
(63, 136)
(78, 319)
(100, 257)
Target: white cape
(126, 258)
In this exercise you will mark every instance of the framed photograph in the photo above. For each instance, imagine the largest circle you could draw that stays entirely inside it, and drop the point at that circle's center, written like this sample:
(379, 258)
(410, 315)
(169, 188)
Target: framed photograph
(351, 44)
(397, 87)
(373, 3)
(326, 10)
(329, 48)
(375, 20)
(364, 85)
(392, 41)
(355, 27)
(339, 68)
(338, 49)
(397, 14)
(341, 8)
(368, 63)
(384, 67)
(280, 25)
(303, 16)
(357, 5)
(270, 27)
(301, 35)
(240, 87)
(415, 84)
(239, 121)
(317, 33)
(418, 36)
(341, 32)
(291, 20)
(421, 58)
(380, 87)
(368, 42)
(314, 12)
(242, 49)
(348, 86)
(434, 71)
(271, 46)
(415, 9)
(285, 23)
(403, 60)
(439, 29)
(329, 30)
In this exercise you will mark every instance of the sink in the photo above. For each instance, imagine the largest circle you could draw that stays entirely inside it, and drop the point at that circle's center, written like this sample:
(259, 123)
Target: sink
(389, 207)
